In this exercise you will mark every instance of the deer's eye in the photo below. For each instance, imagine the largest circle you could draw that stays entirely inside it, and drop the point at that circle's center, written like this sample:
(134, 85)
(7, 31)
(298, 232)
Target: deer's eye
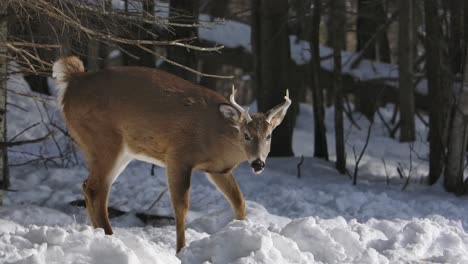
(268, 138)
(247, 137)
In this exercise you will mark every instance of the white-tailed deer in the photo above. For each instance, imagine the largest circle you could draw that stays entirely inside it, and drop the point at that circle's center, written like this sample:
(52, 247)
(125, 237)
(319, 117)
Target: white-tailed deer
(124, 113)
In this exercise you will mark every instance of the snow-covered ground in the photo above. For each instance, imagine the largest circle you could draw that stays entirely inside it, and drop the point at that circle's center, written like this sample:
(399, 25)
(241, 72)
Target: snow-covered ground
(319, 218)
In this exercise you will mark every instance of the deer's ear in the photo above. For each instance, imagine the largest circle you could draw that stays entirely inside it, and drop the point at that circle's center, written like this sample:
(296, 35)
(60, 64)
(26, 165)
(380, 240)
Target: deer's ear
(229, 112)
(277, 117)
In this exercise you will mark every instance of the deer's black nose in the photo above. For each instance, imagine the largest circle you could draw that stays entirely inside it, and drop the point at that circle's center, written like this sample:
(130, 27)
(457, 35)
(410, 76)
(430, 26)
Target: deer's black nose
(258, 165)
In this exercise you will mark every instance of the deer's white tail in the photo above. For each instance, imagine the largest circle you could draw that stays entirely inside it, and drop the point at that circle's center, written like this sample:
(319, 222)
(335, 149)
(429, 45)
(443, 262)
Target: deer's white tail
(62, 70)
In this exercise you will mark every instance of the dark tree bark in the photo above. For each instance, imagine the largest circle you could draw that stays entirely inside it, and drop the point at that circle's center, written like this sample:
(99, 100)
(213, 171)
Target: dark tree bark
(371, 15)
(271, 51)
(143, 58)
(338, 9)
(97, 51)
(180, 10)
(320, 144)
(217, 9)
(383, 44)
(439, 90)
(458, 132)
(456, 37)
(93, 61)
(38, 83)
(405, 64)
(453, 173)
(372, 40)
(38, 28)
(365, 27)
(4, 180)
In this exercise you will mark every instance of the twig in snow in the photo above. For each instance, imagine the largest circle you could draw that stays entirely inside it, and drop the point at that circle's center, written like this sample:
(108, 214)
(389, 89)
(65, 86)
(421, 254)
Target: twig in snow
(399, 170)
(356, 167)
(43, 99)
(392, 135)
(395, 129)
(422, 119)
(394, 115)
(349, 114)
(17, 106)
(157, 199)
(411, 146)
(299, 166)
(406, 182)
(63, 131)
(386, 172)
(24, 142)
(23, 131)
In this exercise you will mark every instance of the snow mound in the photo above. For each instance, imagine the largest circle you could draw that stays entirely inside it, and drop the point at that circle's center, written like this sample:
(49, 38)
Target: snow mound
(81, 244)
(256, 213)
(217, 239)
(244, 242)
(266, 238)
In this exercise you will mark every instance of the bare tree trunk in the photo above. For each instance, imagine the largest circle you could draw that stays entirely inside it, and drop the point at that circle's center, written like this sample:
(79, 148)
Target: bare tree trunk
(338, 23)
(439, 93)
(39, 27)
(94, 63)
(365, 27)
(4, 180)
(217, 9)
(405, 64)
(373, 41)
(453, 173)
(98, 52)
(457, 35)
(371, 15)
(382, 44)
(271, 51)
(320, 144)
(458, 132)
(177, 54)
(143, 58)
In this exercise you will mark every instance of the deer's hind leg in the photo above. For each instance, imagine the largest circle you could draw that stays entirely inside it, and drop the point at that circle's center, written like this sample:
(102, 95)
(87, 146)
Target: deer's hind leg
(106, 162)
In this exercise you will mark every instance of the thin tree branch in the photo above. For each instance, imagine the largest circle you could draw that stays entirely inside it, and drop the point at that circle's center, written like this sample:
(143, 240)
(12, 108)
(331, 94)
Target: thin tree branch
(10, 144)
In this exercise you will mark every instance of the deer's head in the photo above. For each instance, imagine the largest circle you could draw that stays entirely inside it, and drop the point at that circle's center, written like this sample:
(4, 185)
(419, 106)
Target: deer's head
(254, 131)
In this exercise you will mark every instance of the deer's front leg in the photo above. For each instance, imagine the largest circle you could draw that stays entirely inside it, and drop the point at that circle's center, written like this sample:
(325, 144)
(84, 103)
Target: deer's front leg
(178, 178)
(227, 184)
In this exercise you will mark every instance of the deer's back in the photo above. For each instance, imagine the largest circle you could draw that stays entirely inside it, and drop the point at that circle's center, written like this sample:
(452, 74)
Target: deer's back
(147, 107)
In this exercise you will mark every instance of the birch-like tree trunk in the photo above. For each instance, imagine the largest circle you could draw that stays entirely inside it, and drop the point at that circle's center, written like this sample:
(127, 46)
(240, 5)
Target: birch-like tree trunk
(4, 181)
(405, 64)
(338, 24)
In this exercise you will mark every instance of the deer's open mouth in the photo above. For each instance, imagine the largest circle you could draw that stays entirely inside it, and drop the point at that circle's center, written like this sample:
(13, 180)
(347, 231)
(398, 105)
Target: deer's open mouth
(256, 172)
(257, 166)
